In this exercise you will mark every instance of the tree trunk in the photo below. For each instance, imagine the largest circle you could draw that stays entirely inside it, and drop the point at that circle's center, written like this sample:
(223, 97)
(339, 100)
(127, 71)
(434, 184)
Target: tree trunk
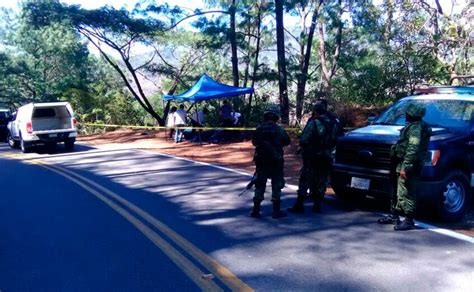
(255, 64)
(233, 44)
(247, 63)
(322, 60)
(387, 29)
(282, 74)
(304, 66)
(328, 72)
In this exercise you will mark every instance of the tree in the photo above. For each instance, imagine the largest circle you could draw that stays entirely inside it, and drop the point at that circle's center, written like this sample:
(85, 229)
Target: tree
(305, 42)
(41, 63)
(329, 66)
(118, 30)
(282, 73)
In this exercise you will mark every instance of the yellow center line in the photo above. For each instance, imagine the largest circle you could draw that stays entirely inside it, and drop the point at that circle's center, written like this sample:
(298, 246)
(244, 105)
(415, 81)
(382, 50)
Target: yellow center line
(224, 274)
(218, 270)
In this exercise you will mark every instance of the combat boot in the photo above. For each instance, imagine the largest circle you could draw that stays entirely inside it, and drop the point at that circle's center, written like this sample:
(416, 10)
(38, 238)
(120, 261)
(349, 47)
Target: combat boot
(389, 219)
(298, 207)
(277, 212)
(256, 210)
(317, 203)
(406, 224)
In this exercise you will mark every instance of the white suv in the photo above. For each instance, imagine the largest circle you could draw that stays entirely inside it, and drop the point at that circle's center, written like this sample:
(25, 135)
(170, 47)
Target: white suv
(42, 123)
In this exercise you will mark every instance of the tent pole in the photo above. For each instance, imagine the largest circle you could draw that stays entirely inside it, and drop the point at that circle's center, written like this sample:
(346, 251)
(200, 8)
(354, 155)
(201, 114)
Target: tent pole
(166, 123)
(199, 131)
(191, 107)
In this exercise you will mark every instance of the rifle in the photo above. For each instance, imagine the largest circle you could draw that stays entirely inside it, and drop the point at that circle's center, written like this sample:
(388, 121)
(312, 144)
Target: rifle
(250, 184)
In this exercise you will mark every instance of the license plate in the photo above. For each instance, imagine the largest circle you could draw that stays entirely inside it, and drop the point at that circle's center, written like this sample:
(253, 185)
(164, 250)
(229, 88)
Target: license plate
(360, 183)
(53, 135)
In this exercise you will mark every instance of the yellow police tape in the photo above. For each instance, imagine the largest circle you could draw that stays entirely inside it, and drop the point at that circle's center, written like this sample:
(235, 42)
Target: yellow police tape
(186, 128)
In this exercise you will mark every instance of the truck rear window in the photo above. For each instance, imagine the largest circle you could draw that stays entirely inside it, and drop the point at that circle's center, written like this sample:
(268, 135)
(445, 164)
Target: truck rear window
(44, 113)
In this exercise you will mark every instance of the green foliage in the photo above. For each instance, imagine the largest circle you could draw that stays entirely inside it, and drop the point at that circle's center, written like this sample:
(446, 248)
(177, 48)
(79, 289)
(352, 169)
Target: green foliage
(387, 50)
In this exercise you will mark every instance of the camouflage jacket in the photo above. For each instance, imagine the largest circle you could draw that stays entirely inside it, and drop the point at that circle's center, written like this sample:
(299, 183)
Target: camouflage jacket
(269, 140)
(318, 137)
(412, 147)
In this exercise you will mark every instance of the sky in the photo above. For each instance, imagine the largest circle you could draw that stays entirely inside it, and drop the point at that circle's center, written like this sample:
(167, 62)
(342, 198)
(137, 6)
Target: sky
(129, 4)
(192, 4)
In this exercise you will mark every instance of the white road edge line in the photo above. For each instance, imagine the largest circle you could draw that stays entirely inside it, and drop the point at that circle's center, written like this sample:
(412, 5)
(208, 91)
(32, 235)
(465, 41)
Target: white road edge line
(446, 232)
(423, 225)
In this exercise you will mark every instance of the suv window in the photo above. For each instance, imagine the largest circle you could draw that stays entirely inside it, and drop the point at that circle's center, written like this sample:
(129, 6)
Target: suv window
(44, 113)
(451, 114)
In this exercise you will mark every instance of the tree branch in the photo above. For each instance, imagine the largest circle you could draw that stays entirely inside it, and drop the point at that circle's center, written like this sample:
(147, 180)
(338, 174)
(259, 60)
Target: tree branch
(194, 15)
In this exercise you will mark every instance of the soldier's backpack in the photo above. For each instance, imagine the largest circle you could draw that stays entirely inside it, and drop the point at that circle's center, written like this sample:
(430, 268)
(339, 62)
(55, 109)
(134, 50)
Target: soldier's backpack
(266, 136)
(329, 139)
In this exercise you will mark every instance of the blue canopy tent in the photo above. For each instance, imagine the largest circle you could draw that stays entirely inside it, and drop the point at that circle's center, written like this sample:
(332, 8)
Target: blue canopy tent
(207, 88)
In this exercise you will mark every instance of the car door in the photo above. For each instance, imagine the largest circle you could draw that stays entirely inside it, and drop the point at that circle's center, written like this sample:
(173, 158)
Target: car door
(13, 125)
(470, 142)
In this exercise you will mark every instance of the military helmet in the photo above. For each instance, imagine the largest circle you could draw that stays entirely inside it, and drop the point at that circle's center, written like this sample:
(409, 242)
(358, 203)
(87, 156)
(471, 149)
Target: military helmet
(272, 109)
(320, 105)
(416, 110)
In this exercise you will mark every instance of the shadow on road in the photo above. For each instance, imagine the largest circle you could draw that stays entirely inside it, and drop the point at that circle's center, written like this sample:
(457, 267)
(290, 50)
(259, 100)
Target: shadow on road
(341, 249)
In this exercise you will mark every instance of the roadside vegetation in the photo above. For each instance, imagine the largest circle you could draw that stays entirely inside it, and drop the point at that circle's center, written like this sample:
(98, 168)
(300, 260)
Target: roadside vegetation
(114, 65)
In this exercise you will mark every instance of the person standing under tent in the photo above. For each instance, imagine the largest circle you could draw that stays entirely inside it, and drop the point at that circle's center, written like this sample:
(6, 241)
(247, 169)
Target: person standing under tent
(180, 120)
(170, 122)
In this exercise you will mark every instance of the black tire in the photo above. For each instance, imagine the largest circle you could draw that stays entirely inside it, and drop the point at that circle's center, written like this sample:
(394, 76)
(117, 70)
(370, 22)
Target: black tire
(12, 142)
(25, 147)
(69, 144)
(348, 195)
(454, 198)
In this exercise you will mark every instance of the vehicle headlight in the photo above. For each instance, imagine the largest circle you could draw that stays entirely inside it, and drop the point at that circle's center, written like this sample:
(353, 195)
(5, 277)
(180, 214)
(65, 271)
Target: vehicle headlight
(433, 157)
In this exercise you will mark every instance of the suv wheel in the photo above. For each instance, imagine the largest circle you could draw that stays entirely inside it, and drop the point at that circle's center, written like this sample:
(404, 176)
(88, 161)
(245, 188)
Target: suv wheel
(11, 142)
(69, 144)
(455, 197)
(25, 148)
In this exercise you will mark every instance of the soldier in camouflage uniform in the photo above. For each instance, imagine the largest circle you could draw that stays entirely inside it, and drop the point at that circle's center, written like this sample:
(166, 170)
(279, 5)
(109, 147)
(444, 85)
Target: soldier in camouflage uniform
(410, 152)
(269, 140)
(317, 141)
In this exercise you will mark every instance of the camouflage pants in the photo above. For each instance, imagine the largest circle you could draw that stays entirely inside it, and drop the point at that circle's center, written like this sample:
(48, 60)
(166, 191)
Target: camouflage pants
(406, 194)
(265, 172)
(313, 176)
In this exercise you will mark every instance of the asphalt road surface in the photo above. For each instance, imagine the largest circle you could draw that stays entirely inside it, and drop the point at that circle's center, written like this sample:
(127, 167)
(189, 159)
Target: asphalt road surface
(130, 220)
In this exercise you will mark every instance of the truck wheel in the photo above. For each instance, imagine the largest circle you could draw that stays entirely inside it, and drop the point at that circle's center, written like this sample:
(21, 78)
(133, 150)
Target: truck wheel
(25, 148)
(347, 194)
(455, 197)
(69, 144)
(11, 142)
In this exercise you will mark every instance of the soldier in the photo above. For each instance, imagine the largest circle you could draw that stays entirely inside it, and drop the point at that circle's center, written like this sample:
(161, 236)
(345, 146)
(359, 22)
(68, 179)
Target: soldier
(269, 140)
(317, 141)
(410, 152)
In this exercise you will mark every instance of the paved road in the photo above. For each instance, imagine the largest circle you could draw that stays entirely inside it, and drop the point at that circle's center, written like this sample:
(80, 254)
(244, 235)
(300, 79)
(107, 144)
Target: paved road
(126, 219)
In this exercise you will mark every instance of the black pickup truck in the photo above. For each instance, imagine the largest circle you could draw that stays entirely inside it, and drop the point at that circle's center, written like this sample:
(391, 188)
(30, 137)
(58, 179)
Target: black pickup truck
(362, 160)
